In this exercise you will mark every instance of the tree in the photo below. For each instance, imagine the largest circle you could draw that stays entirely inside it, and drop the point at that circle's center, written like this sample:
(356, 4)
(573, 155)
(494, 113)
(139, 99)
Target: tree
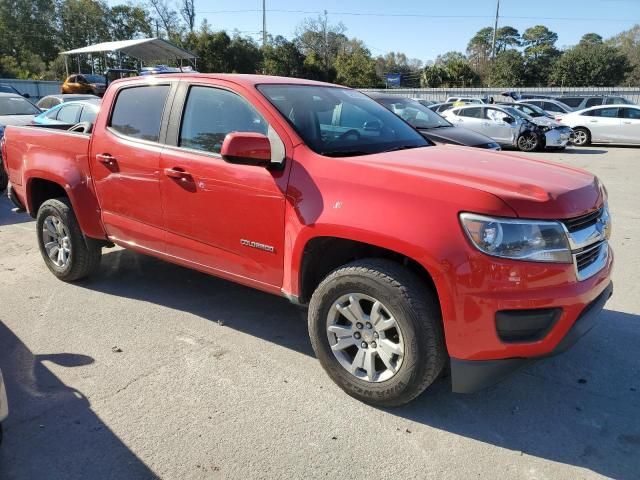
(507, 70)
(458, 70)
(590, 39)
(507, 37)
(433, 76)
(479, 50)
(355, 67)
(163, 15)
(243, 55)
(282, 57)
(628, 42)
(398, 62)
(322, 41)
(590, 64)
(188, 12)
(127, 21)
(539, 54)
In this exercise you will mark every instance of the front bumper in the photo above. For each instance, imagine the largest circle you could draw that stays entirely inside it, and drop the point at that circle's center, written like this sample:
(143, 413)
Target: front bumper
(558, 137)
(4, 406)
(469, 376)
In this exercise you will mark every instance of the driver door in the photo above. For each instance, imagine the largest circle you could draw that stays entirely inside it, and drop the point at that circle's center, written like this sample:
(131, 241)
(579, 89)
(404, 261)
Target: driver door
(497, 128)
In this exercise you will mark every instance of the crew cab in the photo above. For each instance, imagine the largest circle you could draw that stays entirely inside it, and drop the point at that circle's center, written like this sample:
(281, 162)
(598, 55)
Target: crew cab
(409, 256)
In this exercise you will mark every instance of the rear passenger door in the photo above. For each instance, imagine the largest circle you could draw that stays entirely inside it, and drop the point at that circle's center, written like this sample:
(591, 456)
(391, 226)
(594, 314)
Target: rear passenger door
(630, 127)
(217, 212)
(125, 164)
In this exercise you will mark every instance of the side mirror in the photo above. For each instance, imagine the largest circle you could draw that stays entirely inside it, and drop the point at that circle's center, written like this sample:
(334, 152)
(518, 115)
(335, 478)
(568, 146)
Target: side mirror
(507, 119)
(26, 95)
(246, 148)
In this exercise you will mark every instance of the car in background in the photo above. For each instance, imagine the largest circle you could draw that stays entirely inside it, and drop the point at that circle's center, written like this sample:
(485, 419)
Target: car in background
(163, 69)
(14, 110)
(580, 102)
(431, 125)
(50, 101)
(507, 126)
(619, 124)
(553, 107)
(466, 100)
(424, 102)
(4, 405)
(441, 107)
(85, 83)
(6, 88)
(541, 118)
(70, 113)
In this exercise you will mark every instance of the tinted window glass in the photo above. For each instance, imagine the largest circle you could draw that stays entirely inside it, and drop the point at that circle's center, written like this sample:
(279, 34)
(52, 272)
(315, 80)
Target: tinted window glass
(608, 112)
(88, 114)
(475, 112)
(17, 106)
(414, 112)
(69, 114)
(358, 126)
(593, 102)
(633, 113)
(211, 113)
(138, 111)
(573, 102)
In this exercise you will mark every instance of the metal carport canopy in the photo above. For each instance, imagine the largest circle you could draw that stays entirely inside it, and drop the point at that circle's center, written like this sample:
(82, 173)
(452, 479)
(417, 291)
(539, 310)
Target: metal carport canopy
(144, 49)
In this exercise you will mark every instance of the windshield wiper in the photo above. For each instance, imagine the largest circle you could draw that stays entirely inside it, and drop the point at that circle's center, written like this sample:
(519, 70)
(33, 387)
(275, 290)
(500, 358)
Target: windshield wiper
(344, 153)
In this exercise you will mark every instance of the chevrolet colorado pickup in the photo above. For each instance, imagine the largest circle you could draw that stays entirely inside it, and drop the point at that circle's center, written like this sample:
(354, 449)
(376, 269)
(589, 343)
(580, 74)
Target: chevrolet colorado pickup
(410, 256)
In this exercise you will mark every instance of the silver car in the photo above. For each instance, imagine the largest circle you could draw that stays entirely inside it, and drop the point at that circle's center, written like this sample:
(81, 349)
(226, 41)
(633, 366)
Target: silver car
(618, 124)
(4, 406)
(509, 127)
(554, 107)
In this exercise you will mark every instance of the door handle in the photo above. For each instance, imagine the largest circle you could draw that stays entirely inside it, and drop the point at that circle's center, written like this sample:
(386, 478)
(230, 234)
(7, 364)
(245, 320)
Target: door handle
(628, 123)
(106, 159)
(177, 173)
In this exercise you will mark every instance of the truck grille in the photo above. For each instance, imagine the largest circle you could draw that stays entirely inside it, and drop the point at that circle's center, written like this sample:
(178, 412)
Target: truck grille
(583, 221)
(588, 256)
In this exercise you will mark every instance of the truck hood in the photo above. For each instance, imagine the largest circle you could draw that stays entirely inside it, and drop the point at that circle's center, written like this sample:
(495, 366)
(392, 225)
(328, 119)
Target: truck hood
(532, 188)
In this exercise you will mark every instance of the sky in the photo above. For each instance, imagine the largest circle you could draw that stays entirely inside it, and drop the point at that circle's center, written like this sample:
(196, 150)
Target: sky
(423, 28)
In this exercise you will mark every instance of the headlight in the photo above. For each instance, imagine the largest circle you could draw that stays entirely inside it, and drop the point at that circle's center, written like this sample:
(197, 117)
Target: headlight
(530, 240)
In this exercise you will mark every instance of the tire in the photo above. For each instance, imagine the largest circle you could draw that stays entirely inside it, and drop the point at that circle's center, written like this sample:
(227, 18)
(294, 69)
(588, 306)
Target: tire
(581, 137)
(528, 142)
(404, 300)
(4, 178)
(83, 254)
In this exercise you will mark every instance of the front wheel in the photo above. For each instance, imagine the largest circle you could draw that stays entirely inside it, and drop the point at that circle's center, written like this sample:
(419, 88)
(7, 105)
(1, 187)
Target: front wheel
(376, 329)
(528, 142)
(66, 252)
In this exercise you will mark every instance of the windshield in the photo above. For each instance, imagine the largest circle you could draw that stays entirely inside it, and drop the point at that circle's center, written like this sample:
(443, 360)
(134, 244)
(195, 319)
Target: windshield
(518, 114)
(94, 78)
(335, 121)
(414, 113)
(532, 110)
(17, 106)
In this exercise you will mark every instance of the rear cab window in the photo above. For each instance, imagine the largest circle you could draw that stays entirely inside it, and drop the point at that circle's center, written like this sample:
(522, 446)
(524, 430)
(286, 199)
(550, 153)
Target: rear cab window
(138, 110)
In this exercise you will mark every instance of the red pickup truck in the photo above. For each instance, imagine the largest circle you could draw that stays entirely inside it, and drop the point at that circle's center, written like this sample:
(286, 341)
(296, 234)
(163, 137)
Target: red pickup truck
(410, 256)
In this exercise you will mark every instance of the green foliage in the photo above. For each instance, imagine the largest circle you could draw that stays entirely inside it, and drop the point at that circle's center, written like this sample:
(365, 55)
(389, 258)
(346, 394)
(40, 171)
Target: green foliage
(507, 70)
(590, 64)
(540, 54)
(282, 57)
(628, 42)
(355, 67)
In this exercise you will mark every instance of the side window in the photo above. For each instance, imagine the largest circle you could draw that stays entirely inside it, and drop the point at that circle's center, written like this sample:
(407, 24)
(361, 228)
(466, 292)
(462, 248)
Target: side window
(573, 102)
(88, 114)
(615, 101)
(632, 113)
(69, 114)
(81, 79)
(496, 115)
(593, 102)
(609, 112)
(474, 112)
(138, 111)
(72, 79)
(550, 107)
(592, 113)
(51, 114)
(211, 113)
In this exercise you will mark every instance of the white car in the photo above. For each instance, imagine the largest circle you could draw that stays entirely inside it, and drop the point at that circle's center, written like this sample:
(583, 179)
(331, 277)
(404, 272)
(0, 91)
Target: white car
(509, 127)
(619, 124)
(465, 100)
(4, 406)
(553, 107)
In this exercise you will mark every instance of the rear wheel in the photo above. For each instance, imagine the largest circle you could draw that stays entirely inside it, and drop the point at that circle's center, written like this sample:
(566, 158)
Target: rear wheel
(376, 329)
(67, 253)
(581, 137)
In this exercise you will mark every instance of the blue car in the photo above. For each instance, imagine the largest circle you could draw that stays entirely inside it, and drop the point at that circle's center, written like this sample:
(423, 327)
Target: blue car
(70, 113)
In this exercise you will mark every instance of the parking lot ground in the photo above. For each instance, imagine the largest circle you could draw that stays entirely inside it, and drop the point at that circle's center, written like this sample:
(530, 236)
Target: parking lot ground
(149, 370)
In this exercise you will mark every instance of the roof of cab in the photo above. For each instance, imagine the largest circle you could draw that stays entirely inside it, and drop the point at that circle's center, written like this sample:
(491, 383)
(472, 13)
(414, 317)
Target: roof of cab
(247, 80)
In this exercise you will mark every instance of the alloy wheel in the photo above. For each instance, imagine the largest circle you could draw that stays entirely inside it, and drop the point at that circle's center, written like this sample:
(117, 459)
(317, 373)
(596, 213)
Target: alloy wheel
(57, 243)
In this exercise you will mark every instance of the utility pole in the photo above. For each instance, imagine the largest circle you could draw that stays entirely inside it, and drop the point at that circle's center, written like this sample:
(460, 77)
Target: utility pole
(326, 41)
(264, 24)
(495, 31)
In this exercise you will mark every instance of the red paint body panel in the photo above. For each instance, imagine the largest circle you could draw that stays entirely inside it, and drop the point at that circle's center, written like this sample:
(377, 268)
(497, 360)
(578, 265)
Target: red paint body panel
(195, 209)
